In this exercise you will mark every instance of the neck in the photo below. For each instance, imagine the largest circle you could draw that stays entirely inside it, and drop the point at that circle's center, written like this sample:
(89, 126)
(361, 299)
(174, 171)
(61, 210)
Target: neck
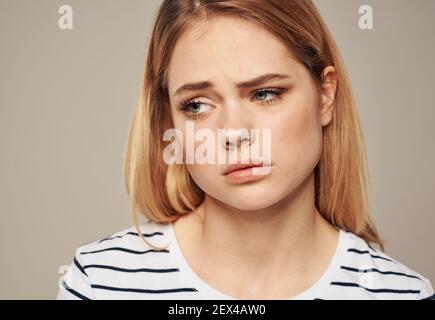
(288, 235)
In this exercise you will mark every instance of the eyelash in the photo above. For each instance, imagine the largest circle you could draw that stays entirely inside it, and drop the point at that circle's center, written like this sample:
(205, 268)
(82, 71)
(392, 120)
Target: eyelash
(184, 105)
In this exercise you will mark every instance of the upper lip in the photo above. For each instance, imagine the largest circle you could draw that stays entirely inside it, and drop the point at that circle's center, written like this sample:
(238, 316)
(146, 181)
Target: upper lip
(239, 166)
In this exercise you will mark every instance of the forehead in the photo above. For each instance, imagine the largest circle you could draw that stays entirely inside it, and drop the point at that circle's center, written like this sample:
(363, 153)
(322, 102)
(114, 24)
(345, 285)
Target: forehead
(227, 47)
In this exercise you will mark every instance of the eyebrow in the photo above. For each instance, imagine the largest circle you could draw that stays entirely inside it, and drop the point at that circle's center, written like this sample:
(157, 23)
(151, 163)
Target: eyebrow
(194, 86)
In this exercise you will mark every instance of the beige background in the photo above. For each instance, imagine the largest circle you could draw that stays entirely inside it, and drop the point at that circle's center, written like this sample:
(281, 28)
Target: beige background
(67, 98)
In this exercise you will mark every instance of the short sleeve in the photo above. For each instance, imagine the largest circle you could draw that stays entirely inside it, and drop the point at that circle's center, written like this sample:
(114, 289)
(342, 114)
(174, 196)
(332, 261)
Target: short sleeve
(75, 283)
(426, 291)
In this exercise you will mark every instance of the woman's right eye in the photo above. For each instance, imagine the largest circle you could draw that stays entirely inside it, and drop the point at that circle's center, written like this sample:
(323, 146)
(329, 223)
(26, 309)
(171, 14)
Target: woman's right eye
(192, 109)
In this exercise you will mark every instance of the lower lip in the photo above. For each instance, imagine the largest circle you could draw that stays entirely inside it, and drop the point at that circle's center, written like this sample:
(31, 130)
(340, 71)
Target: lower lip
(246, 175)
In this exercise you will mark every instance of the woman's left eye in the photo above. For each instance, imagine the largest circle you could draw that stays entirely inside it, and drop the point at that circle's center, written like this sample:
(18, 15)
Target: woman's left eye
(262, 94)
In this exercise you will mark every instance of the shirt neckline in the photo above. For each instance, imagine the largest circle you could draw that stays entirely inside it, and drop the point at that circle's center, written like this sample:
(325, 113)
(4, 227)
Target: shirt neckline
(190, 278)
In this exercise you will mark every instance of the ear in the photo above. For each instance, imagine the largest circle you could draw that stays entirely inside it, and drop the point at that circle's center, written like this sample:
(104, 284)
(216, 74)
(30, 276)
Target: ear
(328, 89)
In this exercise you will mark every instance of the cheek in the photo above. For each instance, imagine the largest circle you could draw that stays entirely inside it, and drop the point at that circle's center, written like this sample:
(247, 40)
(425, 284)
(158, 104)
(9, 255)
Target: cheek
(205, 176)
(298, 137)
(299, 125)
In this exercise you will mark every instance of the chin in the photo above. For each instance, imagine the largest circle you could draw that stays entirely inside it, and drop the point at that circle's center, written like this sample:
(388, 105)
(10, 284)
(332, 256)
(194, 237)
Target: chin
(251, 200)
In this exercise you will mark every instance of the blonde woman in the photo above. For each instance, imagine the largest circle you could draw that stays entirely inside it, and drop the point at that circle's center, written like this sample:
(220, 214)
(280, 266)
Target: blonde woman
(301, 230)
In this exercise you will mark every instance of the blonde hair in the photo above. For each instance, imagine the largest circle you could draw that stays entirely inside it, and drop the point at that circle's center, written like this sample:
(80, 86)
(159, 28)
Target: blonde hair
(162, 193)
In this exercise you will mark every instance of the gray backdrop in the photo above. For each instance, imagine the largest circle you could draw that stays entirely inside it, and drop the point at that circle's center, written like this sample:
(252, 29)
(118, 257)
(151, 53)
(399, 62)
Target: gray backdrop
(67, 98)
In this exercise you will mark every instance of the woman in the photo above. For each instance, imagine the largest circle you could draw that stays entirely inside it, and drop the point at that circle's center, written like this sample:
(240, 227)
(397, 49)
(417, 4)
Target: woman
(301, 230)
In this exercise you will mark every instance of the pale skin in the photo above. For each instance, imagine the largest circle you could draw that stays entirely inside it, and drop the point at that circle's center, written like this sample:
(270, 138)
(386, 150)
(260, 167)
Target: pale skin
(264, 239)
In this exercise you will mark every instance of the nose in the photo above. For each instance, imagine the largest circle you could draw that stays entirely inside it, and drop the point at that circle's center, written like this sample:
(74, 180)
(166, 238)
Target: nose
(234, 138)
(236, 126)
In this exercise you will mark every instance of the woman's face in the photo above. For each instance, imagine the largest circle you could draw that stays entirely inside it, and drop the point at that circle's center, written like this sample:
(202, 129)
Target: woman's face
(227, 51)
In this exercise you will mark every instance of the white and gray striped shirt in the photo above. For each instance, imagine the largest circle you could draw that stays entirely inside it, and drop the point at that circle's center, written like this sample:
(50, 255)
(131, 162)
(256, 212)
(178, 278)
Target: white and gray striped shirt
(122, 266)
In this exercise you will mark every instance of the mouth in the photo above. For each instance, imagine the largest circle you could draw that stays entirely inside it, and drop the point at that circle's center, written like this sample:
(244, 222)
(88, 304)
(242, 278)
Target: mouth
(240, 173)
(239, 166)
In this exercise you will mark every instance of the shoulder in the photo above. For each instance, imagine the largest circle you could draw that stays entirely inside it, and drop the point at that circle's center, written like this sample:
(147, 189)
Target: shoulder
(121, 254)
(125, 248)
(155, 233)
(375, 274)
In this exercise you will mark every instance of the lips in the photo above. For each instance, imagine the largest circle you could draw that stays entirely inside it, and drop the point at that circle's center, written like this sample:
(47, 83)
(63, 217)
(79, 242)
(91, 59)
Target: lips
(240, 166)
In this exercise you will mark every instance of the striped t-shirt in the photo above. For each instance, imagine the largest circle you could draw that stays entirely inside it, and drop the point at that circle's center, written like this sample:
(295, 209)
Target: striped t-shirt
(123, 266)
